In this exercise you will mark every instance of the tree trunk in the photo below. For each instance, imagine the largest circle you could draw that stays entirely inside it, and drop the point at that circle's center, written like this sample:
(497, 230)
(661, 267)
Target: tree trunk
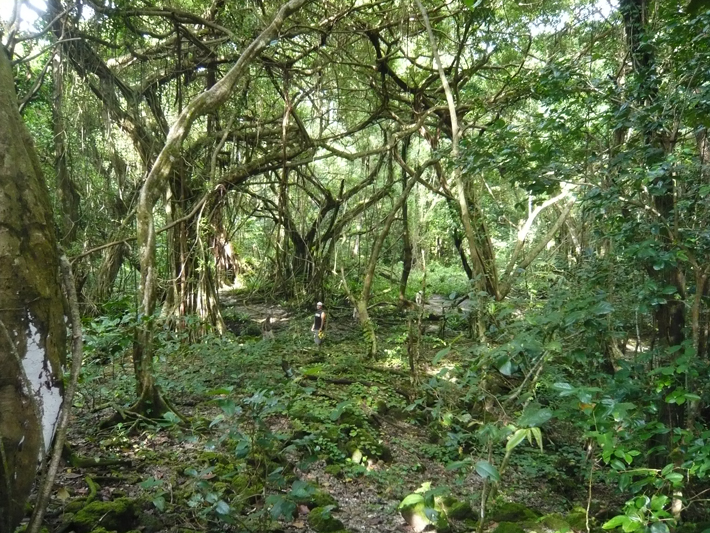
(32, 330)
(361, 304)
(67, 193)
(406, 237)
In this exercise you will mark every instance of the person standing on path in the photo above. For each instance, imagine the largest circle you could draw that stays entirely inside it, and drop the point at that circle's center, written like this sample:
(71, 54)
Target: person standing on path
(318, 327)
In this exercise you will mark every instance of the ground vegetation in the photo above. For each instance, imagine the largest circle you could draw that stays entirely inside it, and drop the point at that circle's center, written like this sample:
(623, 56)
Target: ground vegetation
(504, 208)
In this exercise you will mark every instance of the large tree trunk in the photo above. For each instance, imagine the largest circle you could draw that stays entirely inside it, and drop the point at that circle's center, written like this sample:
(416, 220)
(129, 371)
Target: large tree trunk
(32, 331)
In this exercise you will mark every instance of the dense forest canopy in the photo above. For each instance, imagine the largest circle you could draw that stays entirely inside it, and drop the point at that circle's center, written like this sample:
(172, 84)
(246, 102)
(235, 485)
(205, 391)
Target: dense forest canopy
(503, 205)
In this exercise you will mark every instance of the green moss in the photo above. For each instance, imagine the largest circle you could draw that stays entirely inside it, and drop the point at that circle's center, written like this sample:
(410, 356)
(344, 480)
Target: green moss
(118, 515)
(75, 506)
(459, 511)
(334, 470)
(555, 522)
(508, 527)
(577, 519)
(322, 498)
(512, 512)
(322, 521)
(319, 498)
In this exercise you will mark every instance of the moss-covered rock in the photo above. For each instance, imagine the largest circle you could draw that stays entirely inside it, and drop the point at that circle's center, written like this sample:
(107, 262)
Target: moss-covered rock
(457, 510)
(577, 519)
(509, 527)
(117, 515)
(512, 512)
(322, 521)
(319, 498)
(415, 512)
(75, 506)
(554, 522)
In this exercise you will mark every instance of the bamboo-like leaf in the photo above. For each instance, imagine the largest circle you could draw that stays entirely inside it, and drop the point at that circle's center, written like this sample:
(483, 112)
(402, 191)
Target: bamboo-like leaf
(538, 436)
(515, 439)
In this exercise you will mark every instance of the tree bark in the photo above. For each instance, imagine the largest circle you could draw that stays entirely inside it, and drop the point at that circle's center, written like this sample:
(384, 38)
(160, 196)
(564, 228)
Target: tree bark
(407, 257)
(67, 192)
(32, 330)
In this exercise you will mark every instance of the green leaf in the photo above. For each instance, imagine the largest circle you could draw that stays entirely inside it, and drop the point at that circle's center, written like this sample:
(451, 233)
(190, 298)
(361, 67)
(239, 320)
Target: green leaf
(302, 489)
(658, 501)
(506, 368)
(659, 527)
(441, 354)
(150, 483)
(458, 465)
(411, 500)
(615, 522)
(538, 436)
(159, 503)
(675, 477)
(534, 416)
(280, 507)
(617, 465)
(624, 481)
(633, 524)
(487, 470)
(515, 439)
(565, 389)
(222, 507)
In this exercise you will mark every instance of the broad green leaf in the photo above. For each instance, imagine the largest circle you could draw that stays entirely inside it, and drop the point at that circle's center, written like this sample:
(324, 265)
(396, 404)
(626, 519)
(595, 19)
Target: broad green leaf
(534, 416)
(411, 500)
(615, 522)
(159, 503)
(458, 465)
(506, 368)
(301, 489)
(658, 501)
(280, 507)
(150, 483)
(515, 439)
(675, 477)
(222, 507)
(487, 470)
(440, 355)
(565, 389)
(659, 527)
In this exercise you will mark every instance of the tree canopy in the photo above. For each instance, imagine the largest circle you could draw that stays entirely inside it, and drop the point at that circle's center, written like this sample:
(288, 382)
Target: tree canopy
(509, 199)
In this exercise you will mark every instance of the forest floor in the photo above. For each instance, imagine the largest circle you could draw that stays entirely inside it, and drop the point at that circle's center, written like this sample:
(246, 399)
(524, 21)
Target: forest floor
(275, 426)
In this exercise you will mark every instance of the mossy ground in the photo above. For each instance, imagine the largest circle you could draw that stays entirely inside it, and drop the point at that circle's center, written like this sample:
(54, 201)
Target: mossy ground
(267, 443)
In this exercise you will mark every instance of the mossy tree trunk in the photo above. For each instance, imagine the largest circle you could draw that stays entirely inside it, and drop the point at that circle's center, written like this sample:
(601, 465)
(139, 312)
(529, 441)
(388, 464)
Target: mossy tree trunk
(32, 330)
